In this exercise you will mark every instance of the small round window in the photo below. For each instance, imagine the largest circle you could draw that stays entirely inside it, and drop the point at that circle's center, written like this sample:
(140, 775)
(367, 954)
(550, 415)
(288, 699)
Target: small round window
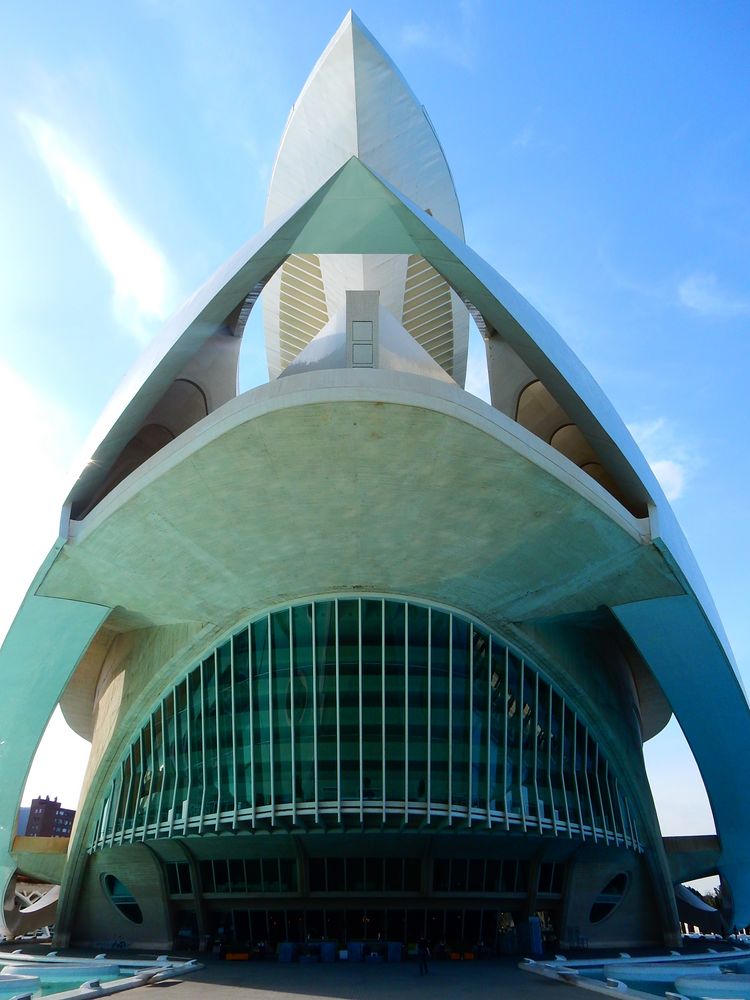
(122, 898)
(609, 898)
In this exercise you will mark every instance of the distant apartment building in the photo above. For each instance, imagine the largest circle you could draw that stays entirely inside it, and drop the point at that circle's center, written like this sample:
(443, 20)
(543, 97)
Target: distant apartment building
(47, 818)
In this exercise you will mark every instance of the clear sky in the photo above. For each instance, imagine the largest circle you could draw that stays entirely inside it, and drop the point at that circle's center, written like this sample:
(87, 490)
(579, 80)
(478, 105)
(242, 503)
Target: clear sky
(601, 154)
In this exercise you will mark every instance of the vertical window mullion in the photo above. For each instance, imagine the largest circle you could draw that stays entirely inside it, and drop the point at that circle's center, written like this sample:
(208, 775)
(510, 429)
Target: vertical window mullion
(382, 697)
(138, 787)
(505, 743)
(126, 797)
(315, 712)
(623, 816)
(251, 717)
(135, 796)
(588, 783)
(189, 728)
(271, 668)
(116, 815)
(470, 800)
(359, 710)
(291, 718)
(406, 711)
(102, 818)
(429, 715)
(101, 833)
(99, 822)
(488, 798)
(535, 737)
(163, 767)
(599, 791)
(118, 806)
(176, 761)
(203, 743)
(562, 767)
(147, 810)
(575, 775)
(338, 708)
(218, 739)
(553, 804)
(520, 743)
(633, 834)
(621, 832)
(234, 730)
(450, 720)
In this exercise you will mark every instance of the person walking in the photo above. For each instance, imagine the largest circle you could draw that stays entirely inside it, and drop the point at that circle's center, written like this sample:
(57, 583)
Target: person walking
(423, 950)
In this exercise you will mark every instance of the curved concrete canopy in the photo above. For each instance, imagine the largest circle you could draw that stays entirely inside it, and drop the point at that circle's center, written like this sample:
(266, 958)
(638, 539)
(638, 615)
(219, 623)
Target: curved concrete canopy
(579, 549)
(357, 211)
(389, 435)
(374, 218)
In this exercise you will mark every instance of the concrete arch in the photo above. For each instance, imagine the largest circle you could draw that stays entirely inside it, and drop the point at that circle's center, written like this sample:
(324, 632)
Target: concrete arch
(355, 211)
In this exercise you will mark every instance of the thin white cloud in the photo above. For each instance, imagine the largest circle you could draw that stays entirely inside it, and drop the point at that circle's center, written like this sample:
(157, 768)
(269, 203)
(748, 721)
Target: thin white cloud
(702, 294)
(456, 43)
(36, 471)
(524, 138)
(672, 476)
(36, 460)
(138, 269)
(669, 457)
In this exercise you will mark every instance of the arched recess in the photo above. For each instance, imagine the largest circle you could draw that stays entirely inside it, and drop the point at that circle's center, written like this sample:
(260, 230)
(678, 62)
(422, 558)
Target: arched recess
(207, 380)
(538, 411)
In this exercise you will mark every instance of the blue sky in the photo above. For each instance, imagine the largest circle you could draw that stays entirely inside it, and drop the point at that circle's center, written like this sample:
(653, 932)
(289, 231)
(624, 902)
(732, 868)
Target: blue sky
(601, 154)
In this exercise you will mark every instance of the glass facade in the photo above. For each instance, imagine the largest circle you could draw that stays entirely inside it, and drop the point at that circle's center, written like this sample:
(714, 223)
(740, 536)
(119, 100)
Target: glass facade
(478, 929)
(364, 713)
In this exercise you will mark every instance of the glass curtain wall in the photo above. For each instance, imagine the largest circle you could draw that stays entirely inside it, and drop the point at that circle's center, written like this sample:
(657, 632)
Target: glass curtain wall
(364, 712)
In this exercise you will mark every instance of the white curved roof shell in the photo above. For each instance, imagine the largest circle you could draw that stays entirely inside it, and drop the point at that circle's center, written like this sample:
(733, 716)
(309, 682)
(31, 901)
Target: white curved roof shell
(356, 209)
(356, 103)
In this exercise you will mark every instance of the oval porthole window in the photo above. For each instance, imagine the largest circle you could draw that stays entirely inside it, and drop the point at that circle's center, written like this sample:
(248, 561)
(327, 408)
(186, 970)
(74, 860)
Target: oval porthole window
(122, 898)
(609, 898)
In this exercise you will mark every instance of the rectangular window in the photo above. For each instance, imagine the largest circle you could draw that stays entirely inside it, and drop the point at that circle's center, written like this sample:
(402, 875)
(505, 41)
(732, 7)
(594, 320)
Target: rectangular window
(207, 876)
(316, 874)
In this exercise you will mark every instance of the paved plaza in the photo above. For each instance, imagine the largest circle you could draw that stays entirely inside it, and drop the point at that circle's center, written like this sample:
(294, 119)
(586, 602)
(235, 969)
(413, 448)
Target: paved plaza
(274, 981)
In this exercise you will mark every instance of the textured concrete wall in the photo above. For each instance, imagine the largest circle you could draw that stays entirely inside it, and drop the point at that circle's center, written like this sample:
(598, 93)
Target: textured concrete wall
(130, 682)
(588, 663)
(635, 921)
(98, 922)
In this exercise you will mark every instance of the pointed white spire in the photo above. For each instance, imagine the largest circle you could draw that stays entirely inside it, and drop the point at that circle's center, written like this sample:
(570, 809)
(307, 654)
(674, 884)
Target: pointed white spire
(356, 103)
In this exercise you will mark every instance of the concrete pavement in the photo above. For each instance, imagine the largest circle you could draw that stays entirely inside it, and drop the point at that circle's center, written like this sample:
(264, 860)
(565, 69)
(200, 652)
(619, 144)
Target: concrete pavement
(346, 981)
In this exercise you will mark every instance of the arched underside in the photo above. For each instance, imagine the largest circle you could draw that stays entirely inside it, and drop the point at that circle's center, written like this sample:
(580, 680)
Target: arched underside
(365, 443)
(355, 201)
(355, 211)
